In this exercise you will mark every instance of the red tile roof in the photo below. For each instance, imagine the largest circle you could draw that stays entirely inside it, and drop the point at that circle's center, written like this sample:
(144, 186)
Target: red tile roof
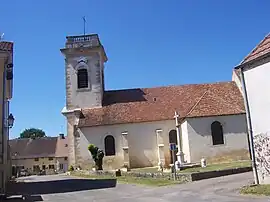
(154, 104)
(39, 147)
(6, 46)
(261, 49)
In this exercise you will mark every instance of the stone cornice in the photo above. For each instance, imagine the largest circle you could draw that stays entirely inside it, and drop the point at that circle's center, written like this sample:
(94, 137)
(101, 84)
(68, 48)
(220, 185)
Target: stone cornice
(66, 111)
(85, 51)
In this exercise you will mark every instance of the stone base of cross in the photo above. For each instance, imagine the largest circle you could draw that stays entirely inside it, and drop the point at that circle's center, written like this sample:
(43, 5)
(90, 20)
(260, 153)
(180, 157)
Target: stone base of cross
(180, 160)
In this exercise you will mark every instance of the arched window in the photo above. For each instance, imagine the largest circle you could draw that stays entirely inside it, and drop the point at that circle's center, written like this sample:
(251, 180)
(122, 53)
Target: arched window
(109, 145)
(173, 136)
(82, 78)
(217, 133)
(173, 139)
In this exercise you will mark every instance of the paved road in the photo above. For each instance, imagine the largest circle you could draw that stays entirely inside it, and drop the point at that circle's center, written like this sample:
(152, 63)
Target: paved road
(65, 188)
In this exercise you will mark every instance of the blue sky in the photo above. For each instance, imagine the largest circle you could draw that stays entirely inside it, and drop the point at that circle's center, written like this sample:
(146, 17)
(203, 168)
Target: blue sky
(148, 43)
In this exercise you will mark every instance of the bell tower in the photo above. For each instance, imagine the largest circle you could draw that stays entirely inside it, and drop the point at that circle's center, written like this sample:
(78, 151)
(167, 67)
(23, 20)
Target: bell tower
(84, 67)
(84, 72)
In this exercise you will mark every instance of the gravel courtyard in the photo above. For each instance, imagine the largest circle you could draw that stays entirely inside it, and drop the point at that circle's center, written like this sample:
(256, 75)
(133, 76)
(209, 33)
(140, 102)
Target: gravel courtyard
(66, 188)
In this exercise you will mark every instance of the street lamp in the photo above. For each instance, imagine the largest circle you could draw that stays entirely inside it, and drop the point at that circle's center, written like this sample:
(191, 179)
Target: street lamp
(10, 120)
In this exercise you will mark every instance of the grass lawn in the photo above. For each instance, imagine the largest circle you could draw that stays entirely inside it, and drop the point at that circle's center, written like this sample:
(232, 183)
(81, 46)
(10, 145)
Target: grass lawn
(147, 181)
(210, 167)
(220, 166)
(263, 189)
(146, 170)
(164, 182)
(132, 180)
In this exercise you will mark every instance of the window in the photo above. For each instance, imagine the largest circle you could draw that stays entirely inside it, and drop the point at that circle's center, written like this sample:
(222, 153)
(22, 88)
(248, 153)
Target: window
(61, 166)
(50, 158)
(66, 158)
(36, 159)
(36, 168)
(51, 166)
(82, 78)
(217, 133)
(109, 145)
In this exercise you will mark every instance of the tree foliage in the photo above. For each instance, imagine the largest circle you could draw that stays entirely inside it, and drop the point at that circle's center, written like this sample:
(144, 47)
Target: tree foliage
(32, 133)
(97, 155)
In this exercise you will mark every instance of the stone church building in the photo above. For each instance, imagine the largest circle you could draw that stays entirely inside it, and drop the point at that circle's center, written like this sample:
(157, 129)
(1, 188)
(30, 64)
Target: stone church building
(135, 126)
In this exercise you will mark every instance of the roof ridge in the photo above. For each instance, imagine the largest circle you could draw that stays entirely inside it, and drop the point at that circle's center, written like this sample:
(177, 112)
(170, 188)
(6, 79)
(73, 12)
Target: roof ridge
(188, 84)
(36, 138)
(255, 48)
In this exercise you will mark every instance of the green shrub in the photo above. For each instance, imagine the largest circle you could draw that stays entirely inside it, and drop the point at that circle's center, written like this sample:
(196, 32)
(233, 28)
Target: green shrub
(70, 168)
(97, 155)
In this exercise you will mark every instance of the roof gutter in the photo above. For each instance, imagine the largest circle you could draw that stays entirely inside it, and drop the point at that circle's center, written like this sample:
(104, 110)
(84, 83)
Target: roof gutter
(249, 126)
(244, 65)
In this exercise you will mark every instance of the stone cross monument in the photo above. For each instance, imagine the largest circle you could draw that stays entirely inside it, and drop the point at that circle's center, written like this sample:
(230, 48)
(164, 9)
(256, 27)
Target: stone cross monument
(180, 155)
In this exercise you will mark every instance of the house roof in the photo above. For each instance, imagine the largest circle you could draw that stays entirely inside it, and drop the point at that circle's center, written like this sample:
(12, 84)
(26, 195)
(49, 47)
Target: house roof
(39, 147)
(160, 103)
(261, 49)
(6, 46)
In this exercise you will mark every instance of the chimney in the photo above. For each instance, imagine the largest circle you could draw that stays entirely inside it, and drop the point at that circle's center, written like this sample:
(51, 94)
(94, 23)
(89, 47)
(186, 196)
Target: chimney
(62, 136)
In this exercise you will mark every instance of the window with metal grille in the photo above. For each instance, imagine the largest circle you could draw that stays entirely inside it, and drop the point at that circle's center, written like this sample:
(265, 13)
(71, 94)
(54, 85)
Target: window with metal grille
(217, 133)
(82, 78)
(109, 145)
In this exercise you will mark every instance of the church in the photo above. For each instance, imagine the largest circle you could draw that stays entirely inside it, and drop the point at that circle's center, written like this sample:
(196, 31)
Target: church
(134, 127)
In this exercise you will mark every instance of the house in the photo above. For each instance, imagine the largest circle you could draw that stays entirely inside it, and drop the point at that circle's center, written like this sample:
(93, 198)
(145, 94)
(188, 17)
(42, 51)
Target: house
(6, 119)
(254, 73)
(34, 155)
(135, 126)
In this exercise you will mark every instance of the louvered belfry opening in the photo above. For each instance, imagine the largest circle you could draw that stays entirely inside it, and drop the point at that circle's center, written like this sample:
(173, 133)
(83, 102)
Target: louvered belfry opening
(82, 78)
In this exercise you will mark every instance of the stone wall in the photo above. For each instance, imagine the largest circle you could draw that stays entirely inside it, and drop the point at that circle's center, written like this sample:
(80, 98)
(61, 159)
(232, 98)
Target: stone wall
(262, 156)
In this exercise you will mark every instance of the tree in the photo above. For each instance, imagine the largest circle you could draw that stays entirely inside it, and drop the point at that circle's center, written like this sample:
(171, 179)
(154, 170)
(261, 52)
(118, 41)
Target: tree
(97, 155)
(32, 133)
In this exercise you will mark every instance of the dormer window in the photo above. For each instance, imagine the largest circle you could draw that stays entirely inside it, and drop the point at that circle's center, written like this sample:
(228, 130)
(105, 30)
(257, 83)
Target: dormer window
(82, 78)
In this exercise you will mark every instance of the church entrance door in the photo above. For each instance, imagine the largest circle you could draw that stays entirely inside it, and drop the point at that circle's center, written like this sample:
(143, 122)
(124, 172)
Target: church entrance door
(173, 139)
